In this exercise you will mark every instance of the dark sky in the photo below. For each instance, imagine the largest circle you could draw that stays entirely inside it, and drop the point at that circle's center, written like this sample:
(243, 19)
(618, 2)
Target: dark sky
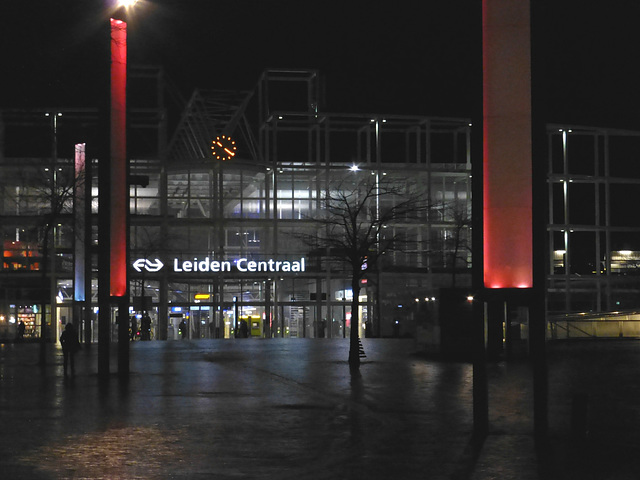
(390, 57)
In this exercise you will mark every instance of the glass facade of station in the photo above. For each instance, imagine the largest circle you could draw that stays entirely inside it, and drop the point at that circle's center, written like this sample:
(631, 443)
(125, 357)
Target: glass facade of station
(235, 211)
(214, 243)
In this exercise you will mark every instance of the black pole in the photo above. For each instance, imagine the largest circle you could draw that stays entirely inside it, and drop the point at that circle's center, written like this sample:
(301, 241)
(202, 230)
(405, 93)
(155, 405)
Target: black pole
(104, 268)
(480, 387)
(104, 201)
(537, 321)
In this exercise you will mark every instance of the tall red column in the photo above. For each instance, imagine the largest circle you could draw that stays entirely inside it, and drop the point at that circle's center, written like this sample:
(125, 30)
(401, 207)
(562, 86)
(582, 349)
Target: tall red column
(509, 187)
(118, 164)
(507, 173)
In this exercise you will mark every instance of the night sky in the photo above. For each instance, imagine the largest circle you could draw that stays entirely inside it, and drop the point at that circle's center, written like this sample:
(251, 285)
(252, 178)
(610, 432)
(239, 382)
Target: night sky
(388, 57)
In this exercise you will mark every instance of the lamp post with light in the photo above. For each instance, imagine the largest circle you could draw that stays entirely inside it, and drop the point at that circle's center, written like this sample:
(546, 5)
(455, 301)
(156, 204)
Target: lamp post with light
(113, 285)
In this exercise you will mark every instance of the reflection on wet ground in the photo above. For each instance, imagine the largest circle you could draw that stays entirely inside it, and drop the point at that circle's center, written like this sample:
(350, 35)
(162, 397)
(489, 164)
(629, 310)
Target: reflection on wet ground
(292, 409)
(237, 409)
(119, 452)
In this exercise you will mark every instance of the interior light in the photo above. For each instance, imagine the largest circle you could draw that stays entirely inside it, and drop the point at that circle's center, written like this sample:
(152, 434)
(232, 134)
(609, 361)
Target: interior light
(127, 3)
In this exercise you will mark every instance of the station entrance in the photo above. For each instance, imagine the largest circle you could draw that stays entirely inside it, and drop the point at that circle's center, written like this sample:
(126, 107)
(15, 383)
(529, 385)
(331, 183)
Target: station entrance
(197, 307)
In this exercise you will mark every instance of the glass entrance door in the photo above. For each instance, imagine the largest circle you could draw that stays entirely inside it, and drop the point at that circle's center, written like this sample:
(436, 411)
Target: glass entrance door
(199, 323)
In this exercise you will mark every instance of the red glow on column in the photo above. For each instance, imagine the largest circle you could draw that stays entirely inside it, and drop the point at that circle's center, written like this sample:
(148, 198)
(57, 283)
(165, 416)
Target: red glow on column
(507, 168)
(118, 158)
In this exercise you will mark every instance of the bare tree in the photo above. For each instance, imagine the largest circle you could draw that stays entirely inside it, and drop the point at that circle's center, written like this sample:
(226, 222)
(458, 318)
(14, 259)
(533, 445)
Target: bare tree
(353, 228)
(458, 243)
(45, 194)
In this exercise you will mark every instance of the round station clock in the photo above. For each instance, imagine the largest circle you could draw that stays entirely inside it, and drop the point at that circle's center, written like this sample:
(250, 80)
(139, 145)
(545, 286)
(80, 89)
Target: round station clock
(223, 148)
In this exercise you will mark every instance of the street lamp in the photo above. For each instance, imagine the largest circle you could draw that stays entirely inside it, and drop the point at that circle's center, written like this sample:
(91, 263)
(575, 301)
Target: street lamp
(114, 202)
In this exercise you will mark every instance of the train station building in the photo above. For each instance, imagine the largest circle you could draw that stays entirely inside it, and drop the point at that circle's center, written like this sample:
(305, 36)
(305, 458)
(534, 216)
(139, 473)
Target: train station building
(224, 199)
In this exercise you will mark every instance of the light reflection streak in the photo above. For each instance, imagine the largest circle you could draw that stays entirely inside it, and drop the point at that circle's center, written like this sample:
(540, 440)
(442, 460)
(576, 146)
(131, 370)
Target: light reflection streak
(117, 453)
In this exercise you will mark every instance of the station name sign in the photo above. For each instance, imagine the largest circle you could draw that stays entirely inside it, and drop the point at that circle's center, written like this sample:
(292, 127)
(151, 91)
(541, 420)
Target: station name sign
(206, 265)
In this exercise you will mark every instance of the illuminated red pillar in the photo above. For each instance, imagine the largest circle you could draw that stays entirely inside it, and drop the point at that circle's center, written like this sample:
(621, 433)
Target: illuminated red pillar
(118, 164)
(507, 158)
(508, 191)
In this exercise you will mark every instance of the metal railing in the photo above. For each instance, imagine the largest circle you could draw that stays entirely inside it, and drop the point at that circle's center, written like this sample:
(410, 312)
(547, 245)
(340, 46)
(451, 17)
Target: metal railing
(588, 325)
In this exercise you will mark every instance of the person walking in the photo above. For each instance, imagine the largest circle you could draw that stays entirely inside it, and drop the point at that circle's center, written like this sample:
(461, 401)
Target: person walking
(134, 328)
(21, 329)
(145, 327)
(244, 329)
(70, 345)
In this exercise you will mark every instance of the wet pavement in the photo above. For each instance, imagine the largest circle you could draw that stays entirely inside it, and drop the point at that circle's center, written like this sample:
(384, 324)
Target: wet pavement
(289, 408)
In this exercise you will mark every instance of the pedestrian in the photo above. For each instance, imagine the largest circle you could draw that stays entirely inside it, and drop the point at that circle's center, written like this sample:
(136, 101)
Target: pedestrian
(20, 333)
(134, 327)
(244, 329)
(145, 327)
(182, 328)
(70, 345)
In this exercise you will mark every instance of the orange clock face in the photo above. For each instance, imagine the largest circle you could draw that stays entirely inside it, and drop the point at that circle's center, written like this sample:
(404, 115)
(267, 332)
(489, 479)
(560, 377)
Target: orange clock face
(223, 148)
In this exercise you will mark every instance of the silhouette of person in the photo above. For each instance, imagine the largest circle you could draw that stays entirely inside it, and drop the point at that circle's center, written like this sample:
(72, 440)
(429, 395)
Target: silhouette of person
(244, 329)
(145, 327)
(70, 345)
(321, 328)
(182, 328)
(20, 333)
(134, 327)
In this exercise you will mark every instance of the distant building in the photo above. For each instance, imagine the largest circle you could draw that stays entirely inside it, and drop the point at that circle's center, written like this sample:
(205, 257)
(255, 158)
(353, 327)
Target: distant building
(594, 222)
